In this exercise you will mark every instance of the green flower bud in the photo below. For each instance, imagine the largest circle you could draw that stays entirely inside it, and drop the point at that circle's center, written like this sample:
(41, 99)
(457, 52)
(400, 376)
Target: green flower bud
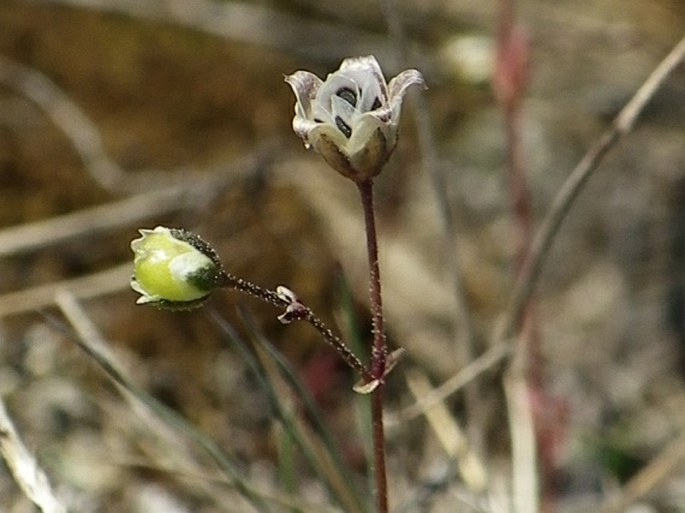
(173, 268)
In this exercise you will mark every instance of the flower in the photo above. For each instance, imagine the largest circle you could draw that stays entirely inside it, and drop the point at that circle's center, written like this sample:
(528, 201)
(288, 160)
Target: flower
(173, 268)
(352, 118)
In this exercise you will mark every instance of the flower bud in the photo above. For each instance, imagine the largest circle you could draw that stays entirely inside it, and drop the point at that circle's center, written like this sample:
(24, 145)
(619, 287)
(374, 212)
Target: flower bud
(173, 268)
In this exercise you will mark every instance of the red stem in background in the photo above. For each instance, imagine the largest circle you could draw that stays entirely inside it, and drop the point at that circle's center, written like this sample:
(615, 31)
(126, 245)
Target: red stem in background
(379, 350)
(509, 84)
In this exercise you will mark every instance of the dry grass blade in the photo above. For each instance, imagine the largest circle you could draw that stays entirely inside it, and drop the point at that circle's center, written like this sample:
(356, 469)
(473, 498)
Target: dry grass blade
(98, 284)
(655, 473)
(86, 140)
(484, 362)
(90, 340)
(451, 435)
(24, 467)
(524, 479)
(39, 234)
(83, 134)
(175, 464)
(319, 453)
(247, 23)
(532, 266)
(313, 412)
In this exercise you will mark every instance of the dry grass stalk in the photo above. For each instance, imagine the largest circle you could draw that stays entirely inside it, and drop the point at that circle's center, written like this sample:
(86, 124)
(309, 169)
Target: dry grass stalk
(27, 473)
(549, 228)
(662, 467)
(450, 435)
(246, 23)
(90, 286)
(524, 480)
(68, 117)
(459, 380)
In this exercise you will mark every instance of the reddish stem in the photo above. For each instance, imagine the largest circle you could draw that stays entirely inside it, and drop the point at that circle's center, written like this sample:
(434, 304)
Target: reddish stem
(510, 82)
(379, 350)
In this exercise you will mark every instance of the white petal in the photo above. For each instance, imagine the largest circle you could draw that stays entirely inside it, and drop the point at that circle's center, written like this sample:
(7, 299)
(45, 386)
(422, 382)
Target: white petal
(367, 74)
(372, 93)
(369, 89)
(136, 286)
(363, 131)
(303, 127)
(144, 296)
(398, 85)
(305, 86)
(359, 66)
(334, 82)
(342, 108)
(322, 114)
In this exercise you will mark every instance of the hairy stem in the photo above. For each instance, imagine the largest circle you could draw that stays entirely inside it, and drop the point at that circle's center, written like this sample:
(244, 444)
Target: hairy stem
(303, 313)
(379, 350)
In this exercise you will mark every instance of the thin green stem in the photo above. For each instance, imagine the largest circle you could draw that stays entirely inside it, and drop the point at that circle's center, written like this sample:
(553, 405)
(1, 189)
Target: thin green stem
(379, 350)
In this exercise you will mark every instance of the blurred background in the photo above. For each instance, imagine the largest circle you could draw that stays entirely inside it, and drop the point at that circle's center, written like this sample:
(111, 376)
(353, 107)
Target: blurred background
(117, 115)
